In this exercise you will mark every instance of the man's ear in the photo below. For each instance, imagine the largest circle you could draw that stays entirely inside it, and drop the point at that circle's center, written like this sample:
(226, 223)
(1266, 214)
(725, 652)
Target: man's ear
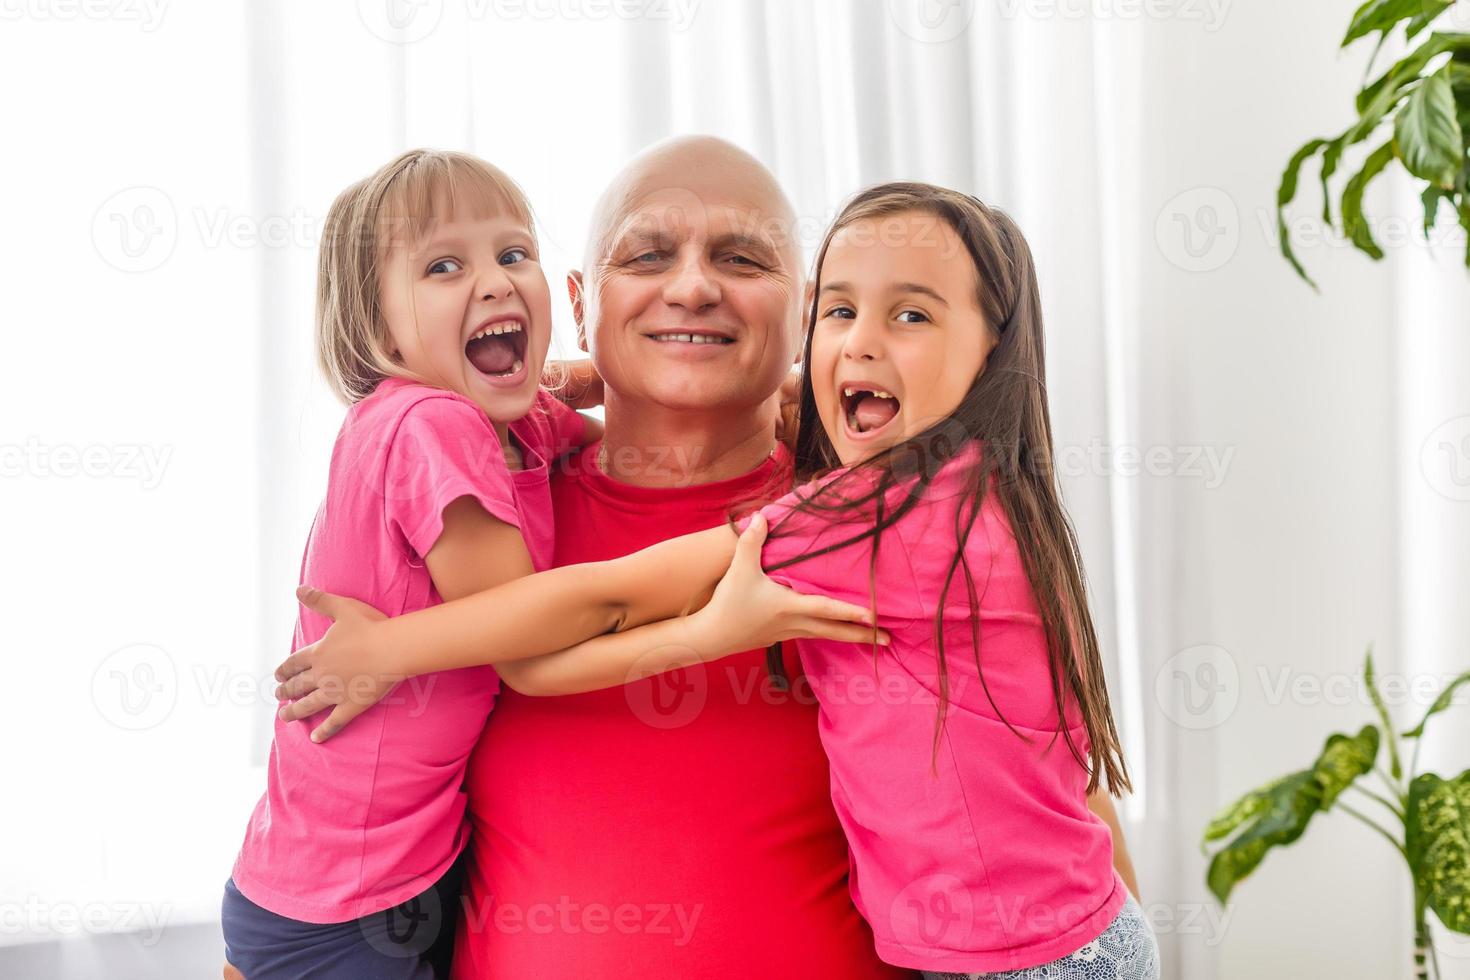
(579, 308)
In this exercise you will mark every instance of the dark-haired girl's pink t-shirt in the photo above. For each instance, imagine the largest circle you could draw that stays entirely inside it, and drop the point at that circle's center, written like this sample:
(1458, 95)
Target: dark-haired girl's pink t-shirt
(678, 828)
(976, 852)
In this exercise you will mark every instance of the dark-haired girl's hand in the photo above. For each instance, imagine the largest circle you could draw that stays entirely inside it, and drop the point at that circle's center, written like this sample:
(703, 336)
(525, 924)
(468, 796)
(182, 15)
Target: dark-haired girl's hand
(748, 610)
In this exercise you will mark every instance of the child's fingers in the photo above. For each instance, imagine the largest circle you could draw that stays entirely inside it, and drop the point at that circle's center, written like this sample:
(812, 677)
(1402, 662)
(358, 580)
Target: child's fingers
(296, 663)
(323, 603)
(313, 703)
(828, 629)
(298, 686)
(825, 607)
(752, 537)
(336, 721)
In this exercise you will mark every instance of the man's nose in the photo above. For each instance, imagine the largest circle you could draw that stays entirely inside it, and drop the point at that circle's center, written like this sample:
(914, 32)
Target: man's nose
(692, 284)
(864, 340)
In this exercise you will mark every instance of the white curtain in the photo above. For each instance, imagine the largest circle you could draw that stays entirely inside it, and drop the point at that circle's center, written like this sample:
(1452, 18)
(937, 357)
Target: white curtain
(1244, 459)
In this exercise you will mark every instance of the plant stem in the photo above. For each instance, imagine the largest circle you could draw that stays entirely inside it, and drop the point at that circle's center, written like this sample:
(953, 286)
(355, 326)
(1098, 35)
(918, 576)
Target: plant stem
(1381, 799)
(1389, 837)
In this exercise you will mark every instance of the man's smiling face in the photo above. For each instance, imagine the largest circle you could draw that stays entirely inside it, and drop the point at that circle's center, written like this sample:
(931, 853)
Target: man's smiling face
(692, 301)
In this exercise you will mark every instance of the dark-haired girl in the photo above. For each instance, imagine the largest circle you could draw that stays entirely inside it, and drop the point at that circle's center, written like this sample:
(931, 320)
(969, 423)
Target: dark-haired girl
(964, 750)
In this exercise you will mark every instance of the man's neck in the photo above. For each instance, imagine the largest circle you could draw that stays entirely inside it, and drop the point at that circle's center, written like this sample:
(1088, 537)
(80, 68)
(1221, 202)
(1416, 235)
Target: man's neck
(652, 446)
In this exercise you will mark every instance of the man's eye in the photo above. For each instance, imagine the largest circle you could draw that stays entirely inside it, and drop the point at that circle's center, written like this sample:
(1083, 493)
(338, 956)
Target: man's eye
(919, 317)
(513, 255)
(444, 266)
(647, 258)
(744, 260)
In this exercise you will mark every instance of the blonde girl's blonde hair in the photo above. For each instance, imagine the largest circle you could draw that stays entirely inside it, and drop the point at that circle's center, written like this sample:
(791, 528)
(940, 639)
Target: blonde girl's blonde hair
(394, 207)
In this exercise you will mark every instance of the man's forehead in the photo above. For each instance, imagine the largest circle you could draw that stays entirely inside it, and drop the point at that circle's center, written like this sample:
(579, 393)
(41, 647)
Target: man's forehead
(679, 214)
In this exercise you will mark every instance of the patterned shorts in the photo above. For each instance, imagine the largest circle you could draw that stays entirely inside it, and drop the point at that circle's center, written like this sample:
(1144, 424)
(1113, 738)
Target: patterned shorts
(1126, 950)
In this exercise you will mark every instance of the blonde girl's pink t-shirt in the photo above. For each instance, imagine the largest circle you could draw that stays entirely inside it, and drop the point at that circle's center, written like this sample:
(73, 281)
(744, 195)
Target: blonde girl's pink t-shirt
(984, 857)
(376, 815)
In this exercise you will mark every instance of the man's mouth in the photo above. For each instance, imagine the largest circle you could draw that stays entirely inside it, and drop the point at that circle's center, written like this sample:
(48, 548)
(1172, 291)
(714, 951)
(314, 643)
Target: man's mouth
(867, 409)
(498, 349)
(690, 337)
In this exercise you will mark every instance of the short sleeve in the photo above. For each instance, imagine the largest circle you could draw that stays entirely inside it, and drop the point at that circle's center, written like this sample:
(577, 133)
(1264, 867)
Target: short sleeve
(551, 428)
(443, 449)
(568, 426)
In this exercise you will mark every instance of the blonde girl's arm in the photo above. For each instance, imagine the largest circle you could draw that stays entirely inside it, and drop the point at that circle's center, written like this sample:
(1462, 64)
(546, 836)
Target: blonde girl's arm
(746, 611)
(363, 654)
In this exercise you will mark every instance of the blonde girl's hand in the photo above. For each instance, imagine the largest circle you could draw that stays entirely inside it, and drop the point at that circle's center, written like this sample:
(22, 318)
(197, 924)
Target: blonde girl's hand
(342, 671)
(748, 610)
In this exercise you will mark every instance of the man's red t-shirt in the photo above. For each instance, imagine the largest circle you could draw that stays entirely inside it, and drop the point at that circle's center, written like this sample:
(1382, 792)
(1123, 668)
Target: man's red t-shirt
(676, 828)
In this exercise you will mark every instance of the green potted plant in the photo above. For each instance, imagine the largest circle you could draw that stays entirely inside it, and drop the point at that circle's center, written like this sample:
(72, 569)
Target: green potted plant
(1427, 817)
(1418, 114)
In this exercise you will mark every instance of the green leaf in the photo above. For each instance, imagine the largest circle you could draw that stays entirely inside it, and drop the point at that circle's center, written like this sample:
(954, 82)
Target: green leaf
(1431, 199)
(1393, 743)
(1437, 841)
(1445, 699)
(1381, 15)
(1284, 196)
(1432, 9)
(1426, 132)
(1353, 221)
(1277, 814)
(1382, 93)
(1465, 222)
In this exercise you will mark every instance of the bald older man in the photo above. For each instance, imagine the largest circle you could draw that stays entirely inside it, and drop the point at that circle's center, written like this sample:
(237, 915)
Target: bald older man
(681, 826)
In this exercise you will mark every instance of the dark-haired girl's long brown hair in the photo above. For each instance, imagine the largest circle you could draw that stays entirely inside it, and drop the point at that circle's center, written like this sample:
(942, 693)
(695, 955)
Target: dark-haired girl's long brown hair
(1004, 411)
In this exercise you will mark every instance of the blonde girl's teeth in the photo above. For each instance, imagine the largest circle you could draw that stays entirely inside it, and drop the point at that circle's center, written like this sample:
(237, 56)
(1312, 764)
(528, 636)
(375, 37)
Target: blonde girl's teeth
(517, 366)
